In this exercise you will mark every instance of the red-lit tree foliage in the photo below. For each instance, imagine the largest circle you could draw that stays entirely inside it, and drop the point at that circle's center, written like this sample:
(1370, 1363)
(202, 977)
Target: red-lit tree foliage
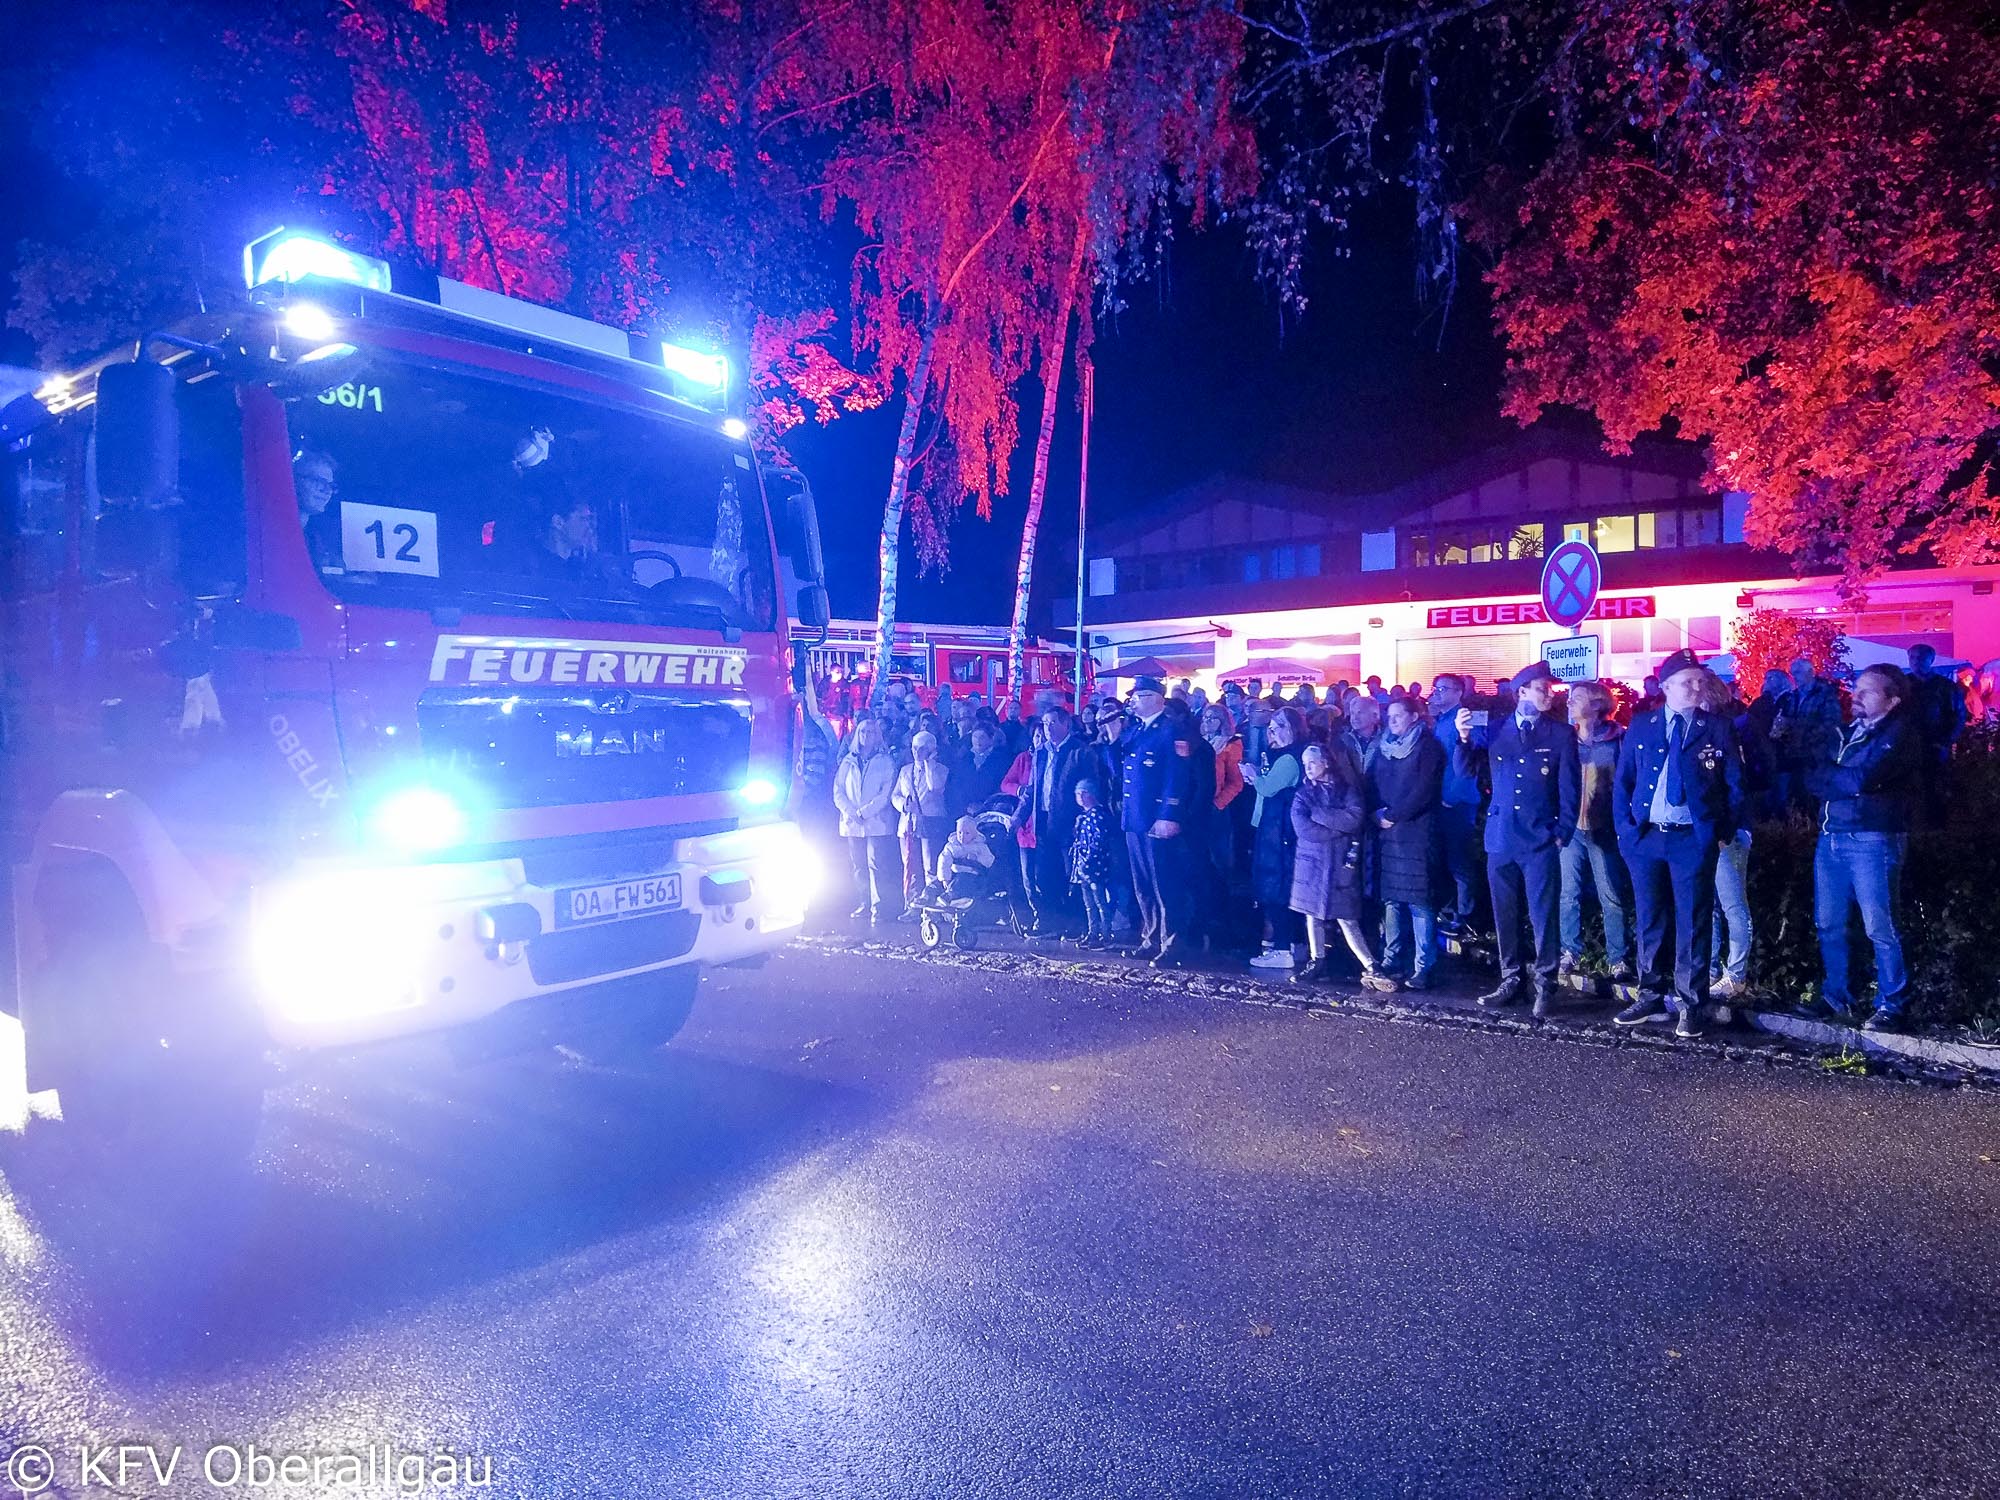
(597, 155)
(1774, 228)
(1771, 640)
(973, 145)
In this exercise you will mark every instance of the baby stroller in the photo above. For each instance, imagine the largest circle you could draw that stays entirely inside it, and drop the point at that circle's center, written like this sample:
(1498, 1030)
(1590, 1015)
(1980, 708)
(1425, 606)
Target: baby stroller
(985, 897)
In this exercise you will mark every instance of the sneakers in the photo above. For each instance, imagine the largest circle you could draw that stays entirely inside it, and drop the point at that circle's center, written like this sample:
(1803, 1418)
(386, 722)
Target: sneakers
(1274, 958)
(1882, 1020)
(858, 913)
(1422, 979)
(1727, 989)
(1569, 966)
(1507, 993)
(1316, 971)
(1645, 1008)
(1375, 979)
(1621, 973)
(1687, 1023)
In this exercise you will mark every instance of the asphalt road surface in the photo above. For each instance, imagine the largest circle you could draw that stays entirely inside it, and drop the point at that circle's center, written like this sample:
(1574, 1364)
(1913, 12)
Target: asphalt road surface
(887, 1227)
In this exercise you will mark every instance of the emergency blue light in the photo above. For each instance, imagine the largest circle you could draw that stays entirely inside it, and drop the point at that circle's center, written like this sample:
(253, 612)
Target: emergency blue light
(709, 371)
(288, 256)
(759, 791)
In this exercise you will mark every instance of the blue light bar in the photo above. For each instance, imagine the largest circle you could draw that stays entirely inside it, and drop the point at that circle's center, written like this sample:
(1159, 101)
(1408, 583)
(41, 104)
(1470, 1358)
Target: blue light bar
(696, 366)
(288, 256)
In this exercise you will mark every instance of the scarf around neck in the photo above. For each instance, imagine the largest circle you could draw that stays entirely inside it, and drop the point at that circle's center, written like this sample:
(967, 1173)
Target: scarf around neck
(1395, 747)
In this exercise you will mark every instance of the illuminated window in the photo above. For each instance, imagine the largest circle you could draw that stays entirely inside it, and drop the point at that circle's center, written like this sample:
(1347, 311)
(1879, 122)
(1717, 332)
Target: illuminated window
(1284, 562)
(1659, 528)
(1704, 633)
(1527, 541)
(1309, 560)
(1667, 635)
(1615, 534)
(1378, 551)
(1627, 636)
(1576, 531)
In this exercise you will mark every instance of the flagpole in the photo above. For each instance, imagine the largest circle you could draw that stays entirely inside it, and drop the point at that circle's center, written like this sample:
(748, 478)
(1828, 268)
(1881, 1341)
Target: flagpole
(1087, 375)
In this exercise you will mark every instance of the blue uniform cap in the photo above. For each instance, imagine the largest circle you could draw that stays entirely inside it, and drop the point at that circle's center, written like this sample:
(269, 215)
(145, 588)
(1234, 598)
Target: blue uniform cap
(1149, 685)
(1535, 672)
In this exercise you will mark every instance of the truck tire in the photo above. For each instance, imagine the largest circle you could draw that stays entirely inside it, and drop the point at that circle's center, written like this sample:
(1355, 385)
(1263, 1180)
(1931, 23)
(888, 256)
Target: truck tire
(94, 1022)
(629, 1018)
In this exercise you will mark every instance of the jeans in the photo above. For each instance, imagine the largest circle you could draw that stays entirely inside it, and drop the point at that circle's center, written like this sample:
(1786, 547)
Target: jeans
(878, 858)
(1865, 870)
(1096, 908)
(1732, 913)
(1596, 855)
(1422, 925)
(1458, 833)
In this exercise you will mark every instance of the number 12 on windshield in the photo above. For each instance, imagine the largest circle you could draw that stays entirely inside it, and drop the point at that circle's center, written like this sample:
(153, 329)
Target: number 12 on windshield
(388, 539)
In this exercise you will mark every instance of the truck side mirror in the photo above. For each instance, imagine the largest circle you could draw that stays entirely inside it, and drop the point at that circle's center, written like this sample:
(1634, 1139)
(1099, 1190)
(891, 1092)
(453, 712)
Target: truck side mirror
(815, 609)
(138, 433)
(800, 527)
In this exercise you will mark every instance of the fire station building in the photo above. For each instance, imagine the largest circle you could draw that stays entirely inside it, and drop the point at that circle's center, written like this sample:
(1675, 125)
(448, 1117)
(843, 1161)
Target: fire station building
(1444, 574)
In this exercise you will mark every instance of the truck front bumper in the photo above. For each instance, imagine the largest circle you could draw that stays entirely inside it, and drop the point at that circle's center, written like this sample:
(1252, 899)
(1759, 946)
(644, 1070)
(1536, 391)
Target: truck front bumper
(341, 954)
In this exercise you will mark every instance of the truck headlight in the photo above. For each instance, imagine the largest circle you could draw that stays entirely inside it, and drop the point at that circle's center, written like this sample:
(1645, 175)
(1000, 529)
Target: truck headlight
(417, 820)
(333, 948)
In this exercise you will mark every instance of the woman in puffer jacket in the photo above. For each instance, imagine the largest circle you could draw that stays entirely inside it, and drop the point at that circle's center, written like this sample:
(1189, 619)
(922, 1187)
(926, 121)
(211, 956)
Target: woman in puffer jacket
(862, 788)
(1327, 816)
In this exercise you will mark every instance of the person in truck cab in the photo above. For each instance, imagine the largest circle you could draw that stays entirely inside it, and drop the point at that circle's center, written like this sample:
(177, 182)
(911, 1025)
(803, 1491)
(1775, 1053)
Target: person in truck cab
(313, 481)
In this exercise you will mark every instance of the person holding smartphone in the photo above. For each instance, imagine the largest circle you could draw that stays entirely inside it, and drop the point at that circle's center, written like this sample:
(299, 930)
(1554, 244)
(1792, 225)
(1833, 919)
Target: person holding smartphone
(1530, 756)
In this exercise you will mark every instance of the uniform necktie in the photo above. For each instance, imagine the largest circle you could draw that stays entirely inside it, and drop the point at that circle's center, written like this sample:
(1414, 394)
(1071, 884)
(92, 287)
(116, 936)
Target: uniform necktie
(1676, 788)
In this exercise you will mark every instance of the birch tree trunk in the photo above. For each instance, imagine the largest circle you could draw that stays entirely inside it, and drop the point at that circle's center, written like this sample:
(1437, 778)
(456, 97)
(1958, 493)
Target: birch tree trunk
(890, 554)
(1024, 573)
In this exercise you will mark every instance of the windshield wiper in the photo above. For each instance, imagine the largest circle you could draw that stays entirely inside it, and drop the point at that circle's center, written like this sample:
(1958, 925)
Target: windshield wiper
(724, 621)
(519, 601)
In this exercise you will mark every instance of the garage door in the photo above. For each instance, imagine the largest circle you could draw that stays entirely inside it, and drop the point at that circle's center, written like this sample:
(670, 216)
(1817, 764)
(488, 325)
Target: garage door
(1483, 656)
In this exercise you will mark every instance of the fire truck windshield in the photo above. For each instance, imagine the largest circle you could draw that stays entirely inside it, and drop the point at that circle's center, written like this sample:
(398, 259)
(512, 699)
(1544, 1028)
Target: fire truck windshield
(422, 486)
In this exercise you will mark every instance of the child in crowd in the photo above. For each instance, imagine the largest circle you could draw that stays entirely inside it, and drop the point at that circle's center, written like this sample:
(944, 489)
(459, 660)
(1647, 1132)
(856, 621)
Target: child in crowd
(1090, 864)
(963, 859)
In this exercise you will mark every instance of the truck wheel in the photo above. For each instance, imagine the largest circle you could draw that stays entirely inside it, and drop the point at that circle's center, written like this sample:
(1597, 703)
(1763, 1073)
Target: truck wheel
(630, 1018)
(125, 1092)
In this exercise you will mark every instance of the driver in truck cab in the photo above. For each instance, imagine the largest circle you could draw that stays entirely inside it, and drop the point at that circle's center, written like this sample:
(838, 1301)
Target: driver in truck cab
(313, 481)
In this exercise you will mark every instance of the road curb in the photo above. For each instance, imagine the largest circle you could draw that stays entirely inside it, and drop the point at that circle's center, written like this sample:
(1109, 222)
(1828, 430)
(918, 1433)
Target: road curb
(1780, 1040)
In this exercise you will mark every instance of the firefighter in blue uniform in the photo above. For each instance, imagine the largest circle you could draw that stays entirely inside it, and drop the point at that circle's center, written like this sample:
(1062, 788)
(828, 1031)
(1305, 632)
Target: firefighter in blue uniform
(1678, 798)
(1155, 789)
(1531, 758)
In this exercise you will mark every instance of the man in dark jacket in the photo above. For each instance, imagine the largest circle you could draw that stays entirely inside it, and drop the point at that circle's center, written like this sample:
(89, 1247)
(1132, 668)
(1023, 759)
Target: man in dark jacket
(1458, 813)
(1531, 758)
(976, 776)
(1678, 799)
(1806, 731)
(1937, 707)
(1157, 796)
(1870, 788)
(1062, 761)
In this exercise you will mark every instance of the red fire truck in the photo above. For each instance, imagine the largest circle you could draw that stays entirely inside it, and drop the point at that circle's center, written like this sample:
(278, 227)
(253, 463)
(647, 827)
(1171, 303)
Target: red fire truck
(971, 658)
(386, 656)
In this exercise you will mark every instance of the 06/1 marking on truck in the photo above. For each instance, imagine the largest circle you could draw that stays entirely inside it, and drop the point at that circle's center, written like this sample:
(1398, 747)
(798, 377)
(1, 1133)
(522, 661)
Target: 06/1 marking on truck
(620, 898)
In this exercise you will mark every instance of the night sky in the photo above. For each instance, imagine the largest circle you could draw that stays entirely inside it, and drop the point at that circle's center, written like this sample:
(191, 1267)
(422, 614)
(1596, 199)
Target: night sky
(1196, 377)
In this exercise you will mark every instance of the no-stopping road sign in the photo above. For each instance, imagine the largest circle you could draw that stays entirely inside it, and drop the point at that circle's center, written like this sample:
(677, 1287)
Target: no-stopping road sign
(1570, 580)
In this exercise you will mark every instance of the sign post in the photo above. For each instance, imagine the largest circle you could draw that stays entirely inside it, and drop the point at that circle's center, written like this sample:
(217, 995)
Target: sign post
(1570, 580)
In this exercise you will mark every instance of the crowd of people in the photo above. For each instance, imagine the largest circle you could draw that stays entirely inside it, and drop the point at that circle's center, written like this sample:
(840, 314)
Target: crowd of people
(1575, 828)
